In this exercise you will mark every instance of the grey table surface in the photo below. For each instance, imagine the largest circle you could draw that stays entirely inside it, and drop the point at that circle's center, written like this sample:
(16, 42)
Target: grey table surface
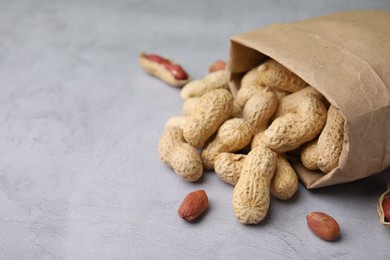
(80, 176)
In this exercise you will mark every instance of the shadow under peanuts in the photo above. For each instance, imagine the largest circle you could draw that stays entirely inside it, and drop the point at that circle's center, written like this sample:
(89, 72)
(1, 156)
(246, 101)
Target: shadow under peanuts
(370, 187)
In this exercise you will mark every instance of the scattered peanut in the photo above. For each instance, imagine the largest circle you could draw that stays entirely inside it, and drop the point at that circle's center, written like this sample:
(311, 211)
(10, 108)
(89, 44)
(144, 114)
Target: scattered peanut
(323, 225)
(251, 195)
(212, 110)
(275, 75)
(196, 88)
(330, 141)
(232, 136)
(164, 69)
(182, 157)
(217, 65)
(309, 155)
(193, 205)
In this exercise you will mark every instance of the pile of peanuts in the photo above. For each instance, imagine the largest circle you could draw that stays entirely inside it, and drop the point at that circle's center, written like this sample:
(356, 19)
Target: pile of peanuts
(244, 139)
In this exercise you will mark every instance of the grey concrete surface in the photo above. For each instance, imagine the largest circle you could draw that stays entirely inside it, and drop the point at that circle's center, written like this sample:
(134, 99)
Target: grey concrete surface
(80, 176)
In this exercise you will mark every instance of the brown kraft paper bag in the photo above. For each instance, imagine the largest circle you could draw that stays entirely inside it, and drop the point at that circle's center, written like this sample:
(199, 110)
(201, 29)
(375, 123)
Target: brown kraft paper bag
(345, 56)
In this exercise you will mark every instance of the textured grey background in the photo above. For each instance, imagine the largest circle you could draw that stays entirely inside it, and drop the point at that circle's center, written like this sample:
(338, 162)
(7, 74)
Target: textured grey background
(80, 176)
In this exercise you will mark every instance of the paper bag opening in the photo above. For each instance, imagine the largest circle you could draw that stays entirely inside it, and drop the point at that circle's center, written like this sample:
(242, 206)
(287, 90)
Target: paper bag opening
(346, 57)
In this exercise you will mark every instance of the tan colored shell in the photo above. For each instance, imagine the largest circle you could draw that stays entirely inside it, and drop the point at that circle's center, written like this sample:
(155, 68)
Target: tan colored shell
(189, 106)
(213, 108)
(258, 139)
(381, 214)
(160, 72)
(233, 135)
(196, 88)
(291, 130)
(244, 94)
(182, 157)
(259, 109)
(250, 78)
(275, 75)
(285, 181)
(279, 94)
(237, 110)
(228, 167)
(291, 102)
(309, 155)
(330, 141)
(251, 195)
(176, 121)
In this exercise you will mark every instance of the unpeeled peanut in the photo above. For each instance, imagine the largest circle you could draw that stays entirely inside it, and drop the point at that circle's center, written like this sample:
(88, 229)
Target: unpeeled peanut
(228, 167)
(330, 141)
(176, 121)
(251, 195)
(213, 108)
(291, 102)
(182, 157)
(259, 109)
(244, 94)
(285, 181)
(291, 130)
(309, 155)
(190, 104)
(275, 75)
(233, 135)
(196, 88)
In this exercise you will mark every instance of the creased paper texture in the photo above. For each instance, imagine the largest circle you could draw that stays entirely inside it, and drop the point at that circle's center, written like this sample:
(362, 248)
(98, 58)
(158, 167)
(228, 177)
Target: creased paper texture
(345, 56)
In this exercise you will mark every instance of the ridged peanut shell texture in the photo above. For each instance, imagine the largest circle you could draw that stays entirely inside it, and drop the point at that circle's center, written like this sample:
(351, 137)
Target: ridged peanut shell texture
(291, 102)
(309, 155)
(233, 135)
(176, 121)
(285, 181)
(213, 108)
(259, 109)
(196, 88)
(291, 130)
(228, 167)
(251, 195)
(330, 141)
(182, 157)
(250, 78)
(275, 75)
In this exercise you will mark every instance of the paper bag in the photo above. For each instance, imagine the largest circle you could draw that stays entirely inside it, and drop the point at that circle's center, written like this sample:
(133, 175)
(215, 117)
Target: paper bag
(345, 56)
